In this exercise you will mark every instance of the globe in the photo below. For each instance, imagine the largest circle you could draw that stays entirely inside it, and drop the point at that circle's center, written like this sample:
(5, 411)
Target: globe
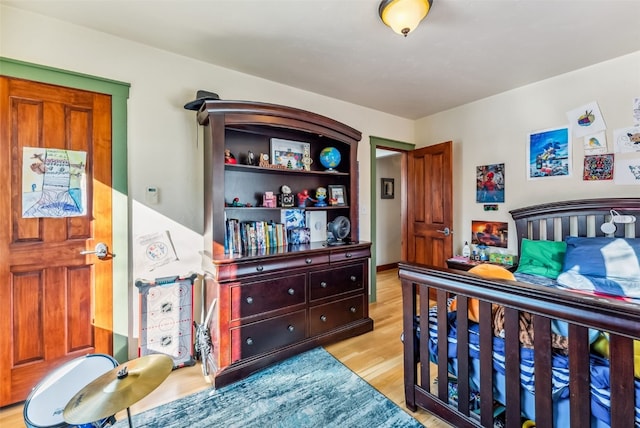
(330, 158)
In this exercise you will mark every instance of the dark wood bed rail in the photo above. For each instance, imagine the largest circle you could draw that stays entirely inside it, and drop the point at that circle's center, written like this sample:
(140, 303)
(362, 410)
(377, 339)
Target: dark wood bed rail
(541, 221)
(621, 319)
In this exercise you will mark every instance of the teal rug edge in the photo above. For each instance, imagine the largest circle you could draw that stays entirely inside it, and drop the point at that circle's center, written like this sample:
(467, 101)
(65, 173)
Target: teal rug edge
(312, 389)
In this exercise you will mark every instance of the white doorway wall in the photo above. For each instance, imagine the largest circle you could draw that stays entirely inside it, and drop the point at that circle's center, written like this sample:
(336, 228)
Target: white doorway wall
(388, 210)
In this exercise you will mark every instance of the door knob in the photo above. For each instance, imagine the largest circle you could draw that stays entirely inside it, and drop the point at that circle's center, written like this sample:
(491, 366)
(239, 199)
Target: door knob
(101, 251)
(446, 231)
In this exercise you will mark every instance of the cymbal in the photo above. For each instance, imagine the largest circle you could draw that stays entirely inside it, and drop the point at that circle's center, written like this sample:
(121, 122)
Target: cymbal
(118, 389)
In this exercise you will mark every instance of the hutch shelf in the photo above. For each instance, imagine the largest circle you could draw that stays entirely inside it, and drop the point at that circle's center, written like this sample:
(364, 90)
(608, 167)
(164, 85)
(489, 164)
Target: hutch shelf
(276, 302)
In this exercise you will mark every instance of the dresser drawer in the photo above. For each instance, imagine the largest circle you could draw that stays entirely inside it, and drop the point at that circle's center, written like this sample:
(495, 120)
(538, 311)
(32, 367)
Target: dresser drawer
(254, 298)
(263, 336)
(349, 254)
(330, 282)
(323, 318)
(232, 271)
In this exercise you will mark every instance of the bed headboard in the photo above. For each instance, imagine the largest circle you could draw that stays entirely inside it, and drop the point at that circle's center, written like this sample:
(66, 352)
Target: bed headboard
(556, 220)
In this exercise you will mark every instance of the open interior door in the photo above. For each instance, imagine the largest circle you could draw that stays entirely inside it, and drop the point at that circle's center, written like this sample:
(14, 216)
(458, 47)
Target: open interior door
(430, 205)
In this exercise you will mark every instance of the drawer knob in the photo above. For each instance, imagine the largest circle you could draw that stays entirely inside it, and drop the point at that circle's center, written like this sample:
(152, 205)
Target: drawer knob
(291, 291)
(249, 300)
(352, 309)
(323, 284)
(353, 278)
(323, 318)
(249, 341)
(308, 260)
(290, 328)
(348, 255)
(259, 268)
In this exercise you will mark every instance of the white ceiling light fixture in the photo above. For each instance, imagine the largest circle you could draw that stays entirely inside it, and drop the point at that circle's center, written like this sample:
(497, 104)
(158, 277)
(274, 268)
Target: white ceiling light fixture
(403, 16)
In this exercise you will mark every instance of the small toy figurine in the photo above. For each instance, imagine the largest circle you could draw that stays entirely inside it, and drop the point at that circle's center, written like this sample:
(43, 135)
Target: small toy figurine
(307, 161)
(321, 195)
(236, 203)
(229, 158)
(250, 158)
(269, 200)
(302, 198)
(286, 198)
(264, 160)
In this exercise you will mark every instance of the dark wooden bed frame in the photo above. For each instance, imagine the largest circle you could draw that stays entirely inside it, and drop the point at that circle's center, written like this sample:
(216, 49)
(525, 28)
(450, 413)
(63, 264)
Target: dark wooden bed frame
(552, 221)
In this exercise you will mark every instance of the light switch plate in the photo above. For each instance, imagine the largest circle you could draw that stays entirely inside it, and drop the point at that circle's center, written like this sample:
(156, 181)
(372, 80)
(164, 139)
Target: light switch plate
(151, 195)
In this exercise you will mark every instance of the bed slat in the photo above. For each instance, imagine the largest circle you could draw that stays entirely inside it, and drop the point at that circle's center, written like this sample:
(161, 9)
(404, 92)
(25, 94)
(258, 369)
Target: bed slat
(463, 354)
(443, 347)
(512, 363)
(621, 379)
(579, 376)
(542, 364)
(486, 364)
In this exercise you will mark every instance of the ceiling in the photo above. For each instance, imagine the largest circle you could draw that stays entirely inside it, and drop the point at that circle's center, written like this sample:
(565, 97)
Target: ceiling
(463, 51)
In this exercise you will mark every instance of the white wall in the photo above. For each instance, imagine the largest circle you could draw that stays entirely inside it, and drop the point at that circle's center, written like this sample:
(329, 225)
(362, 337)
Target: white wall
(495, 130)
(164, 143)
(388, 212)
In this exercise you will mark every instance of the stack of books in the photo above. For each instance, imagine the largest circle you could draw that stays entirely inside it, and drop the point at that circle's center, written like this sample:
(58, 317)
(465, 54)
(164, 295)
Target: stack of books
(252, 236)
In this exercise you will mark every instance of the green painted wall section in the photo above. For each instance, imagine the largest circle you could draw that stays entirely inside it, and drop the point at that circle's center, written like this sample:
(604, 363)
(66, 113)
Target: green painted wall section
(375, 142)
(119, 92)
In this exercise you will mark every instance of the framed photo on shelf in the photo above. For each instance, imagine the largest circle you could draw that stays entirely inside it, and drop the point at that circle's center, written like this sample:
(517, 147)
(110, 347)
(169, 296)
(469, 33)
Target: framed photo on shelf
(288, 153)
(337, 195)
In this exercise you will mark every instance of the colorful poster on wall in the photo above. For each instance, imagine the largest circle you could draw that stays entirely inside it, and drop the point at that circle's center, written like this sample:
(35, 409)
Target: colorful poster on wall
(627, 171)
(586, 120)
(598, 167)
(549, 153)
(156, 249)
(490, 183)
(491, 233)
(53, 183)
(627, 140)
(595, 144)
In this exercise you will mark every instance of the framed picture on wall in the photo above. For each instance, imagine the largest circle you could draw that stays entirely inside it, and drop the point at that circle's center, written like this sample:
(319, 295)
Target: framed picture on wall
(387, 188)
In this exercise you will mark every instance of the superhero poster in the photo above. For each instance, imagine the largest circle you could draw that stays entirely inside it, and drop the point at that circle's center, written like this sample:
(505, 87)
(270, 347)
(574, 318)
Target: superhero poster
(490, 183)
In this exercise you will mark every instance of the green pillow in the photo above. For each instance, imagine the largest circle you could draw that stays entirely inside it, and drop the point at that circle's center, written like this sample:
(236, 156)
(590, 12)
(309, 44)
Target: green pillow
(544, 258)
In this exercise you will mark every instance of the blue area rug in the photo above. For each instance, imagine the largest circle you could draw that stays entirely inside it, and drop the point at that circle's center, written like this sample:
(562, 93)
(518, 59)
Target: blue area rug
(312, 389)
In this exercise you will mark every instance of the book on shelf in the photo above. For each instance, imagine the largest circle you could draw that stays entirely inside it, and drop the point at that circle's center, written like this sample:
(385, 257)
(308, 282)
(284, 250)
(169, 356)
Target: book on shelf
(316, 221)
(292, 217)
(299, 235)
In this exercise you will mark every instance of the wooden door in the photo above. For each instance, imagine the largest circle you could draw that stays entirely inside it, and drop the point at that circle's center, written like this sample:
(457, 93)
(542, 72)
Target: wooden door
(55, 303)
(430, 205)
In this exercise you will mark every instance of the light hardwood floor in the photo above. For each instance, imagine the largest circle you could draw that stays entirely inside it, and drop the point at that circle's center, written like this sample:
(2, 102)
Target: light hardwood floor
(375, 356)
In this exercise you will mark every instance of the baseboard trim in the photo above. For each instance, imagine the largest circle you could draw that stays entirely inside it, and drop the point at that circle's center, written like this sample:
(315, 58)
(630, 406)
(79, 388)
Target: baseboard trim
(389, 266)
